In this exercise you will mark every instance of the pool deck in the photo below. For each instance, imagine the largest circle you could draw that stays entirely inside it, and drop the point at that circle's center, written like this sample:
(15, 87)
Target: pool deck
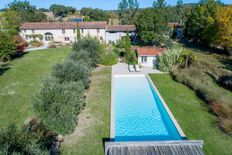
(122, 68)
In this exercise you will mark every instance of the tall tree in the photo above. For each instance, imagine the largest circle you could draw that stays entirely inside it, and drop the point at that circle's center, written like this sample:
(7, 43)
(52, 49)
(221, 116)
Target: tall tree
(159, 4)
(127, 46)
(78, 31)
(10, 22)
(7, 46)
(26, 11)
(152, 27)
(223, 23)
(180, 10)
(127, 11)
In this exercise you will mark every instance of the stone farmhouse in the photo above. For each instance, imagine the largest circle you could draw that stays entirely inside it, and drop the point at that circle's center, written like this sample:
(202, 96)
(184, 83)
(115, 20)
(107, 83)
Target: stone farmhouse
(66, 32)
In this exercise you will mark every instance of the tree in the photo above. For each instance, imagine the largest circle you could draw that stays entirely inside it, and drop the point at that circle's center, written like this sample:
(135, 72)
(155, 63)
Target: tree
(95, 14)
(27, 12)
(127, 11)
(223, 23)
(199, 22)
(78, 32)
(7, 46)
(152, 27)
(10, 22)
(159, 4)
(127, 46)
(180, 10)
(61, 10)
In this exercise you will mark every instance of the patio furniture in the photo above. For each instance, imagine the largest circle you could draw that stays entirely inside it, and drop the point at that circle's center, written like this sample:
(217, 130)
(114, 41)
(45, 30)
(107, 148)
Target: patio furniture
(137, 68)
(131, 68)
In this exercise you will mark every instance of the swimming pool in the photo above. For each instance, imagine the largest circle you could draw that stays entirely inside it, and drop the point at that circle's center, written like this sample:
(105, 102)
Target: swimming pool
(139, 112)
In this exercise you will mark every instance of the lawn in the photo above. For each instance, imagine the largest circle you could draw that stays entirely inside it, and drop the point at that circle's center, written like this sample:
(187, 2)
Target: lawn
(93, 122)
(22, 80)
(192, 115)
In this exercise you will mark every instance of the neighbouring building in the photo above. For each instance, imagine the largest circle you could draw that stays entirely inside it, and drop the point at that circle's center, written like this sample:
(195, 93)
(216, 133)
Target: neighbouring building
(65, 32)
(147, 56)
(177, 30)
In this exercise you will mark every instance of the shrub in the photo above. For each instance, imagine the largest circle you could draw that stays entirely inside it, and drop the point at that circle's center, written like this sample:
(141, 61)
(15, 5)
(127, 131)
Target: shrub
(7, 46)
(132, 60)
(72, 71)
(120, 43)
(57, 104)
(52, 46)
(36, 43)
(221, 110)
(168, 60)
(109, 59)
(186, 59)
(30, 139)
(82, 54)
(225, 125)
(92, 46)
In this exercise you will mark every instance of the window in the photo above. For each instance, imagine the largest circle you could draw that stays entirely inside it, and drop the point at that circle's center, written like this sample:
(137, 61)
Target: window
(33, 31)
(144, 58)
(98, 30)
(82, 31)
(48, 36)
(74, 30)
(25, 31)
(66, 38)
(63, 31)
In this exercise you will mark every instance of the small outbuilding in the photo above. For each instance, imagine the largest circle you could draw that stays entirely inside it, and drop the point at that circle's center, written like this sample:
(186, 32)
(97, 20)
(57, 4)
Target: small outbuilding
(147, 56)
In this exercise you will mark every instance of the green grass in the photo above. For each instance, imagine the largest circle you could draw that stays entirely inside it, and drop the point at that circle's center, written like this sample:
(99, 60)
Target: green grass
(193, 116)
(22, 80)
(93, 122)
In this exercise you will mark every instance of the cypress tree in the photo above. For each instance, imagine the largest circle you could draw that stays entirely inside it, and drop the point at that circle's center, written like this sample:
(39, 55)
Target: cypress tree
(78, 32)
(127, 46)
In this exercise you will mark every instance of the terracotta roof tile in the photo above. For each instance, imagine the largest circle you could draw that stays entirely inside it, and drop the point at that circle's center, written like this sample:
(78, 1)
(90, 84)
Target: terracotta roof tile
(149, 51)
(63, 25)
(121, 28)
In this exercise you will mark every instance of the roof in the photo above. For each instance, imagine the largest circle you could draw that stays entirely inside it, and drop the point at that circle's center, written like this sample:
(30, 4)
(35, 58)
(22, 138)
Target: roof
(121, 28)
(155, 148)
(149, 51)
(63, 25)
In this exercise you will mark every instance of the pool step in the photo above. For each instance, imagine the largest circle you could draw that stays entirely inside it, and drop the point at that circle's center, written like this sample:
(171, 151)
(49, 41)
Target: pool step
(183, 147)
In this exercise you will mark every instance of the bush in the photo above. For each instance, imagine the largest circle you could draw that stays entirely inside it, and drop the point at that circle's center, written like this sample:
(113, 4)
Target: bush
(92, 46)
(168, 61)
(109, 59)
(186, 59)
(57, 104)
(132, 60)
(82, 54)
(221, 110)
(225, 125)
(175, 58)
(36, 43)
(120, 43)
(32, 139)
(72, 71)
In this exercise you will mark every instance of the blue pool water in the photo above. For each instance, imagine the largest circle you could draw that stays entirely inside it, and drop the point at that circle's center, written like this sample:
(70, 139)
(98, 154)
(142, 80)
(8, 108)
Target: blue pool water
(139, 113)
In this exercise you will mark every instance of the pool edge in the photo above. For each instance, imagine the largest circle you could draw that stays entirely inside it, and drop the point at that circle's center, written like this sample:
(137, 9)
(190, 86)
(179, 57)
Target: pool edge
(179, 129)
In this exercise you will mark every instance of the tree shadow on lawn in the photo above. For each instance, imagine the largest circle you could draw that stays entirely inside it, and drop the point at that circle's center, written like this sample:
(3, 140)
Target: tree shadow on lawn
(3, 68)
(227, 62)
(6, 65)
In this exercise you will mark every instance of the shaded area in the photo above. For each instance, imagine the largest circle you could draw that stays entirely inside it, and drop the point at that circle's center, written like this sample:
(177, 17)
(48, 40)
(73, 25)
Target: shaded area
(4, 67)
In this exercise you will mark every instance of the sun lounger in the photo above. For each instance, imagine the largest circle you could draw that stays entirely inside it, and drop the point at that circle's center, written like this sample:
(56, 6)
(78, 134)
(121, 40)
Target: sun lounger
(137, 68)
(131, 68)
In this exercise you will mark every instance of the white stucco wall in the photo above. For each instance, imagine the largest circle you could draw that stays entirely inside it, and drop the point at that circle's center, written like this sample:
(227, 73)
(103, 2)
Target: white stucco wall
(114, 37)
(58, 36)
(151, 61)
(99, 33)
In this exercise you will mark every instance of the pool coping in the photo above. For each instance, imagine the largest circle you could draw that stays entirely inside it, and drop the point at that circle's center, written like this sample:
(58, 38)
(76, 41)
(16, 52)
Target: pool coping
(112, 129)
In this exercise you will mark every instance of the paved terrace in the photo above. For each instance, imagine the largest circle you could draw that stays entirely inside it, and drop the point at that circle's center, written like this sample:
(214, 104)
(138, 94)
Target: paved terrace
(122, 68)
